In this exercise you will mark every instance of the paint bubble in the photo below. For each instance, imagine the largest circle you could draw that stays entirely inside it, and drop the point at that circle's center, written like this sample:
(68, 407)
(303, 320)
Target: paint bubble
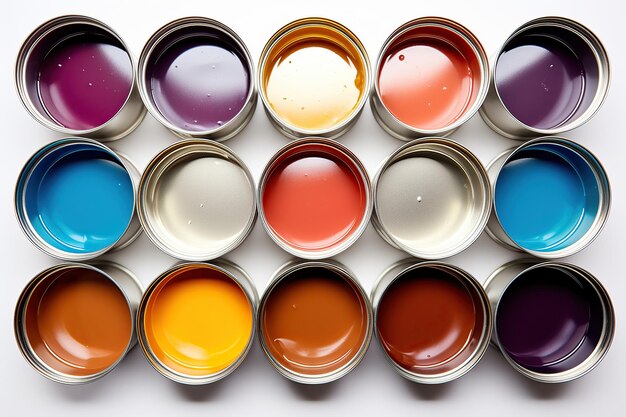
(401, 57)
(419, 198)
(60, 65)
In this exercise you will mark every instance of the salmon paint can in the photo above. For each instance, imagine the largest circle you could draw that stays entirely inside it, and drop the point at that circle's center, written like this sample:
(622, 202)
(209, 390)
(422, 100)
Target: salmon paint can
(433, 320)
(75, 322)
(431, 77)
(314, 198)
(315, 321)
(196, 321)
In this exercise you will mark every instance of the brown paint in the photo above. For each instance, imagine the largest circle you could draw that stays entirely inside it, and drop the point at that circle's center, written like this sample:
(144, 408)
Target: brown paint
(314, 321)
(78, 322)
(427, 321)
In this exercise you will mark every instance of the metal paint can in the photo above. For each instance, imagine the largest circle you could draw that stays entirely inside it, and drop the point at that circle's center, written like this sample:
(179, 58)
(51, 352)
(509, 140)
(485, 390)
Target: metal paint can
(553, 322)
(75, 75)
(59, 323)
(211, 57)
(314, 198)
(302, 298)
(314, 78)
(550, 76)
(196, 321)
(431, 198)
(196, 200)
(75, 199)
(432, 76)
(551, 198)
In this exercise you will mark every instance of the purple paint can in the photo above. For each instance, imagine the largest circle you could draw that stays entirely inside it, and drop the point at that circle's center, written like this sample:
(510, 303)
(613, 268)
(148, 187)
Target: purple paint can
(196, 78)
(550, 76)
(75, 75)
(554, 322)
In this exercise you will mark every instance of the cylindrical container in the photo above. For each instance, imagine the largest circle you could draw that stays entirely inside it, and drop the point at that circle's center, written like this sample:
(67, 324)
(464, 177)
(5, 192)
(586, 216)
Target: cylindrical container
(432, 198)
(315, 321)
(196, 321)
(196, 77)
(432, 76)
(196, 200)
(553, 322)
(432, 319)
(314, 198)
(314, 78)
(76, 76)
(550, 76)
(551, 198)
(75, 322)
(75, 199)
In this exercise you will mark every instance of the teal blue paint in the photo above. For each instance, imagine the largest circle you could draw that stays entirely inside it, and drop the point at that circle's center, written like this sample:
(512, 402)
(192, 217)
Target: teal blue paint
(546, 197)
(79, 198)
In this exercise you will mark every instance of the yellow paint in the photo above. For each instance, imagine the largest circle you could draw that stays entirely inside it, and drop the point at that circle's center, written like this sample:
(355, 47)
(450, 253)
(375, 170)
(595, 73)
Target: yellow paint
(198, 321)
(314, 78)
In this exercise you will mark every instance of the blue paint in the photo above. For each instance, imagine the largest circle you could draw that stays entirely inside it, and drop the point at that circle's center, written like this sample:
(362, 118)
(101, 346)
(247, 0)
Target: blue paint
(546, 197)
(79, 198)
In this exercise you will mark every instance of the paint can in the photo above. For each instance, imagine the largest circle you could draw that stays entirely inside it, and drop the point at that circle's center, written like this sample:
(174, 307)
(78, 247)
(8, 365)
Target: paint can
(551, 198)
(75, 199)
(432, 319)
(432, 198)
(550, 76)
(196, 321)
(213, 60)
(553, 322)
(432, 76)
(59, 323)
(196, 200)
(295, 312)
(314, 198)
(314, 78)
(75, 75)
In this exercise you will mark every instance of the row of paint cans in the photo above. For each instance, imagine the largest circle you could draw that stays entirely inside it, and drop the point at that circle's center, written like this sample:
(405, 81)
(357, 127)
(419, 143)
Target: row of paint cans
(195, 323)
(75, 75)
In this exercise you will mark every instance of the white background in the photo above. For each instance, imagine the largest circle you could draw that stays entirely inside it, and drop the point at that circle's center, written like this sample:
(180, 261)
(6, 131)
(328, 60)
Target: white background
(492, 388)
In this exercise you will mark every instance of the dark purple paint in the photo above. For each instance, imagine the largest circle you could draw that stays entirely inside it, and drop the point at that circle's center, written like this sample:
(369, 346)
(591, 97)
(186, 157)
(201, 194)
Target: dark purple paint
(548, 321)
(540, 81)
(84, 81)
(199, 84)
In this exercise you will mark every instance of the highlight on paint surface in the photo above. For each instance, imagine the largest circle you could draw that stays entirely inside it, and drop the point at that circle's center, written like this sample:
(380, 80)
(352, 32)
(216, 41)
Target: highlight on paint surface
(197, 321)
(314, 322)
(78, 322)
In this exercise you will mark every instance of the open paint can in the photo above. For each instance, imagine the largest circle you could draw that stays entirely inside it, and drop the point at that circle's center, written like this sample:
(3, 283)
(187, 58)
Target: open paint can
(75, 199)
(76, 76)
(75, 322)
(554, 322)
(433, 320)
(315, 321)
(196, 200)
(432, 76)
(551, 198)
(550, 76)
(314, 78)
(196, 321)
(314, 198)
(432, 198)
(196, 77)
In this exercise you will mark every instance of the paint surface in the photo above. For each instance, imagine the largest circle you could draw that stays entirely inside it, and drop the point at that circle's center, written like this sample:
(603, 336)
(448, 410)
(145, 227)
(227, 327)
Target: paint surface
(313, 201)
(547, 321)
(427, 84)
(540, 81)
(199, 84)
(84, 81)
(81, 201)
(79, 324)
(314, 322)
(198, 321)
(425, 319)
(315, 83)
